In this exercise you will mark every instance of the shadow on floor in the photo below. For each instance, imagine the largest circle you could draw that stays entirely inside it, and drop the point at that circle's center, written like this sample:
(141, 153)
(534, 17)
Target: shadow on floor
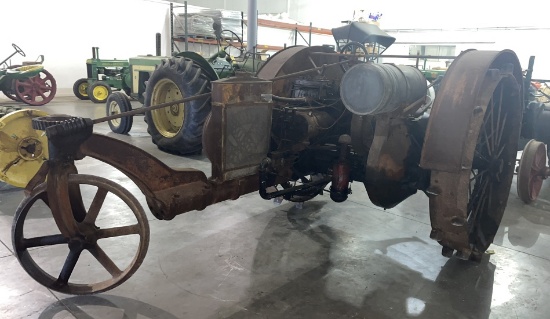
(126, 308)
(350, 276)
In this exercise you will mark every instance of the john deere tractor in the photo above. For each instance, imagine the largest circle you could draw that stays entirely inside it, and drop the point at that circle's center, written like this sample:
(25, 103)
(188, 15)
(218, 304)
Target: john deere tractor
(178, 129)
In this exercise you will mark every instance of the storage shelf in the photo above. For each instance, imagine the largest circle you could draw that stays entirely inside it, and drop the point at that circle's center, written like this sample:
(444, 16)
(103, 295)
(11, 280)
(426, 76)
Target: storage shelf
(291, 26)
(236, 44)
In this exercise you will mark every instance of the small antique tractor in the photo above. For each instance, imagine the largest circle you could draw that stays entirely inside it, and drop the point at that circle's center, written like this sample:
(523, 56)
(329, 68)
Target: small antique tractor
(102, 76)
(29, 83)
(301, 125)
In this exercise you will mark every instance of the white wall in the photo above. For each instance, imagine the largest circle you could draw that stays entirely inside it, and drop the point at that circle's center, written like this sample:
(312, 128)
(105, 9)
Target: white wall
(64, 32)
(446, 16)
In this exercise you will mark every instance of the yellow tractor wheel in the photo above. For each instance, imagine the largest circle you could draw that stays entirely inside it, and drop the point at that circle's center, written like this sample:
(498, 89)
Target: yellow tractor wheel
(23, 150)
(99, 91)
(80, 89)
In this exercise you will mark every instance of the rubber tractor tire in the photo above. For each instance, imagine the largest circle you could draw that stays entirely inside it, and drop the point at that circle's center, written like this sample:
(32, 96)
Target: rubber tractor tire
(117, 103)
(80, 89)
(178, 128)
(99, 91)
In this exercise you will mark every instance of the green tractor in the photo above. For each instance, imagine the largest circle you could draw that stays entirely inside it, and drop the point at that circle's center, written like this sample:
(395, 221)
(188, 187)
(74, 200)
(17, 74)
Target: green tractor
(102, 77)
(178, 128)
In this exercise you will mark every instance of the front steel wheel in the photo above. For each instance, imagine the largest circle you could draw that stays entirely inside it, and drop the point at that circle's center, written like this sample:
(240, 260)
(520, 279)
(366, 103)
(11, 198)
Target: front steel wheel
(108, 245)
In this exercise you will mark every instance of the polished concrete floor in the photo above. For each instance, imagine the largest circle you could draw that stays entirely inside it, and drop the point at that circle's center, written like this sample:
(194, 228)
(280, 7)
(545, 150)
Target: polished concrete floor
(252, 258)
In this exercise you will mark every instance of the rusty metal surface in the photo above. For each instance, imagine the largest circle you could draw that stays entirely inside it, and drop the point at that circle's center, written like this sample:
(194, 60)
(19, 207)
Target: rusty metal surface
(296, 59)
(448, 137)
(78, 234)
(470, 148)
(237, 134)
(144, 169)
(532, 171)
(388, 158)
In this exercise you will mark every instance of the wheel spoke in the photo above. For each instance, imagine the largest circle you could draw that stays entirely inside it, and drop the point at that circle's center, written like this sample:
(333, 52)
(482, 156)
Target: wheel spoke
(105, 260)
(480, 202)
(44, 241)
(96, 205)
(487, 142)
(68, 266)
(502, 129)
(480, 156)
(25, 84)
(118, 231)
(32, 95)
(498, 117)
(492, 124)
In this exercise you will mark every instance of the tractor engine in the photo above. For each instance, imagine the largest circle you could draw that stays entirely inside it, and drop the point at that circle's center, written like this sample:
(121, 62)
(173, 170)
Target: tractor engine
(302, 119)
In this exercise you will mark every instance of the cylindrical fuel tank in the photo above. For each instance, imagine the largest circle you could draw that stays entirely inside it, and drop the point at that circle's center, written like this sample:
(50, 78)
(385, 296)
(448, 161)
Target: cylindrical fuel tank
(371, 89)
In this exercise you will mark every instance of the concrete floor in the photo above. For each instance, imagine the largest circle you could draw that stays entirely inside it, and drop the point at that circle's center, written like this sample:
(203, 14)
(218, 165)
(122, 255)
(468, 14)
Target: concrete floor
(251, 258)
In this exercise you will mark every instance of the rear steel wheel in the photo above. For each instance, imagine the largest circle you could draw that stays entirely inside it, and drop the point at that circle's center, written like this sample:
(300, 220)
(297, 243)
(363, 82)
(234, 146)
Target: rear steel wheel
(87, 238)
(470, 148)
(37, 90)
(532, 171)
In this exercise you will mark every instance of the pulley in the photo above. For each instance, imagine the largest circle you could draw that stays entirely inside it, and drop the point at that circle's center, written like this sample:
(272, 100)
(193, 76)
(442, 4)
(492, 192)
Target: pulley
(23, 150)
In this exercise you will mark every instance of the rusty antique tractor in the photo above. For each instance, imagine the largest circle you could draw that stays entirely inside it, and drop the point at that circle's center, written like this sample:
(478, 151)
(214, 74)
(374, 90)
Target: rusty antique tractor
(300, 126)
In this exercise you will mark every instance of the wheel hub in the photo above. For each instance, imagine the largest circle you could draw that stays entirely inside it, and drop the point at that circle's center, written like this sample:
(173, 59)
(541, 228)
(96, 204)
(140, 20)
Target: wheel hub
(169, 120)
(30, 149)
(175, 110)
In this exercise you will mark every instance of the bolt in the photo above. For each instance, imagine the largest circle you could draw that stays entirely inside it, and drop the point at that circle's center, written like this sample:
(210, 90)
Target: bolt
(478, 109)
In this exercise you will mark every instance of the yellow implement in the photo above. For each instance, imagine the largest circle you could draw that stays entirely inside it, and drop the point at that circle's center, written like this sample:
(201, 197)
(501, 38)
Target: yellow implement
(22, 149)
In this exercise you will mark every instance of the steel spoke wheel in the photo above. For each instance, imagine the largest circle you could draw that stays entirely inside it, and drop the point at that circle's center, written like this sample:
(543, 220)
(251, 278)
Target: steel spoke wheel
(470, 147)
(37, 90)
(531, 171)
(89, 237)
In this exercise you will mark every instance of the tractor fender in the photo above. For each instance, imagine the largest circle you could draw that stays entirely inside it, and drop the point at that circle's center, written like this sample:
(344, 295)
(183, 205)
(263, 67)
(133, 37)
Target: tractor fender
(447, 145)
(202, 62)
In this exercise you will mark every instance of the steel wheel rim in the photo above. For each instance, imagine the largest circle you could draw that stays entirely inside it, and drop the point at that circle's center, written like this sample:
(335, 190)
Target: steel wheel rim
(531, 171)
(168, 120)
(44, 278)
(100, 92)
(37, 90)
(114, 109)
